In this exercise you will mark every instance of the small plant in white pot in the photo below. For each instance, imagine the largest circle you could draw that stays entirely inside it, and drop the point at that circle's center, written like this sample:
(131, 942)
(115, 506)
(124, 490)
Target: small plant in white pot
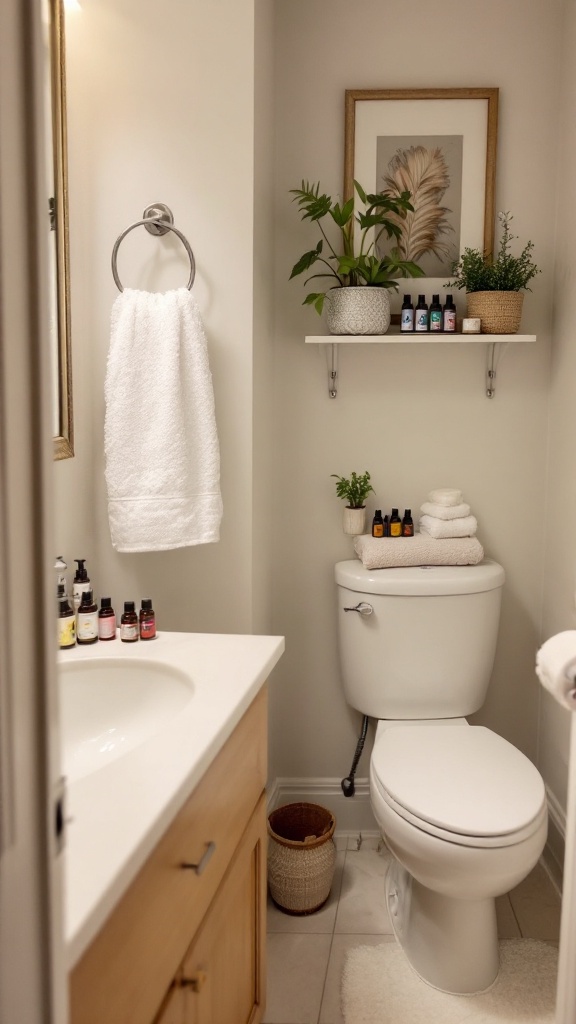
(357, 302)
(354, 490)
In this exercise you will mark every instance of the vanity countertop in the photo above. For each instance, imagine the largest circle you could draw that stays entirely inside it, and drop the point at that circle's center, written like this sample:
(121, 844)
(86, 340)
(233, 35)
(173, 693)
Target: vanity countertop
(117, 814)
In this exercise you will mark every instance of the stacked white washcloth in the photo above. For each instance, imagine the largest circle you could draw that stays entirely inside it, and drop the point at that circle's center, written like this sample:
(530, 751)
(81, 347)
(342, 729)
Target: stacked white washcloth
(446, 515)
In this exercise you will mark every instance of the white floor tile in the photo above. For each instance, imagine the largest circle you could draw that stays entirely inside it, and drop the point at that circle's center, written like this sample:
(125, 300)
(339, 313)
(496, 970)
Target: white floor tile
(322, 921)
(362, 906)
(297, 966)
(330, 1012)
(507, 923)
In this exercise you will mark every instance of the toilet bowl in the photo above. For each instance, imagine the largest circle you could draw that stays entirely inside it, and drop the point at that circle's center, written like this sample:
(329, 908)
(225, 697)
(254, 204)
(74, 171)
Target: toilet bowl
(464, 813)
(461, 809)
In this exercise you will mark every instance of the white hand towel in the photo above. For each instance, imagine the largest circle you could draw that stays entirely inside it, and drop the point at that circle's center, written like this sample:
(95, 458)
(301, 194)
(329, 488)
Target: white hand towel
(449, 527)
(389, 552)
(556, 667)
(445, 511)
(446, 496)
(160, 439)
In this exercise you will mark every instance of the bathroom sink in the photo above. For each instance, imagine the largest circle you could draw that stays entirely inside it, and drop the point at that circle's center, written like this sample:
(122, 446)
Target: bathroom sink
(109, 706)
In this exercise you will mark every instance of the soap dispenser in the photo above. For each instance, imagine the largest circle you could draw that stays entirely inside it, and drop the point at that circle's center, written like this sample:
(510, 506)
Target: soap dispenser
(80, 583)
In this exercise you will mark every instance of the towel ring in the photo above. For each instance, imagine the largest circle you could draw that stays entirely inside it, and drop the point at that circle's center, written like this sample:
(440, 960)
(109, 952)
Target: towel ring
(158, 220)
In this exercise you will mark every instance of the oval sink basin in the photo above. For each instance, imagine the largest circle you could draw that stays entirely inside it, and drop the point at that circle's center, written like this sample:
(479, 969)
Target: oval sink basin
(110, 705)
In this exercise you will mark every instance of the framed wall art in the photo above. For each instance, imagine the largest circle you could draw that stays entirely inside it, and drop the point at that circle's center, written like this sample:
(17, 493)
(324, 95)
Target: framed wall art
(439, 144)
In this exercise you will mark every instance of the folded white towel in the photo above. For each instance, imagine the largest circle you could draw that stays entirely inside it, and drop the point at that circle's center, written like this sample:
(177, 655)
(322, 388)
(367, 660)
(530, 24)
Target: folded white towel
(556, 667)
(445, 496)
(449, 527)
(445, 511)
(161, 445)
(388, 552)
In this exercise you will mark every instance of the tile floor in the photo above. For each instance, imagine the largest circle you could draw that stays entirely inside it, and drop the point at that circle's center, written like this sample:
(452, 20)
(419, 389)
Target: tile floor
(306, 954)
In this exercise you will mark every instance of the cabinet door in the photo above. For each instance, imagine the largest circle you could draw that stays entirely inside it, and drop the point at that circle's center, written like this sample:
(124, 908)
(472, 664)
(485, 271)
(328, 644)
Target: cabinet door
(223, 976)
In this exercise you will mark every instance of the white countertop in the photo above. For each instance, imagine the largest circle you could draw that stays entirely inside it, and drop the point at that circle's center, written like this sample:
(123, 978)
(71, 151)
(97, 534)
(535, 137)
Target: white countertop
(119, 812)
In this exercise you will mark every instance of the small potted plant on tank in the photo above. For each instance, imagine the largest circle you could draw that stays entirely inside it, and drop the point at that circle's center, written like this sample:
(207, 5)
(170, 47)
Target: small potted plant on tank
(354, 490)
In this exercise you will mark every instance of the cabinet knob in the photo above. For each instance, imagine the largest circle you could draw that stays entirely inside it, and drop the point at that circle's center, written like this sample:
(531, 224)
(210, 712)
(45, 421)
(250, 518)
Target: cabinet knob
(196, 981)
(203, 862)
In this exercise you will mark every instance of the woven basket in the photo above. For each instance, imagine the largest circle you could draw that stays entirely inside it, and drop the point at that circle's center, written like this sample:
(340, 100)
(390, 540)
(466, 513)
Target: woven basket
(499, 312)
(301, 857)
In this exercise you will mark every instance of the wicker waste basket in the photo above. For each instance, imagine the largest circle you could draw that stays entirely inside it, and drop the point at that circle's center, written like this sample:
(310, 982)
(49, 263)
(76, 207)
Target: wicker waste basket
(301, 857)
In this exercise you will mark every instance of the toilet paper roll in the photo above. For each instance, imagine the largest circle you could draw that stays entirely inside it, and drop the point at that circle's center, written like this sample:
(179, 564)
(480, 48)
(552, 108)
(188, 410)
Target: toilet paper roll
(556, 667)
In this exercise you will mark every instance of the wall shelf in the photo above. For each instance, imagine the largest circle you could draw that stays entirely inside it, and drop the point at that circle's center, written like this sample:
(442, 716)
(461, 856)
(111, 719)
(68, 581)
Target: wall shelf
(395, 337)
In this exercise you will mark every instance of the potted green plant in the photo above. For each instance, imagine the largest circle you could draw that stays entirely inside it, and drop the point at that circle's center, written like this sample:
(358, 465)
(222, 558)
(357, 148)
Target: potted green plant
(358, 301)
(495, 285)
(354, 490)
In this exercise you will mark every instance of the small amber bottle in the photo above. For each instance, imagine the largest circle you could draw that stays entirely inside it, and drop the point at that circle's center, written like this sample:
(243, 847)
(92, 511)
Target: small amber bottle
(378, 524)
(395, 524)
(106, 620)
(408, 524)
(147, 620)
(129, 623)
(87, 620)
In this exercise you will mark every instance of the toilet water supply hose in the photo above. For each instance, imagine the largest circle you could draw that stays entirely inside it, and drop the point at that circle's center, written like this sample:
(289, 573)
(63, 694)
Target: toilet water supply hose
(348, 783)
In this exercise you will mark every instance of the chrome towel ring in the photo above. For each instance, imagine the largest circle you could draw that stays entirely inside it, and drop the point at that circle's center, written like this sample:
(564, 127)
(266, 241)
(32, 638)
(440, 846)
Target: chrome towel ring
(157, 219)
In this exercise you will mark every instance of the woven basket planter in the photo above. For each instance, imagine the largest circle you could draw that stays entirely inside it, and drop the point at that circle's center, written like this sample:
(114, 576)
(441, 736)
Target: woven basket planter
(301, 857)
(499, 312)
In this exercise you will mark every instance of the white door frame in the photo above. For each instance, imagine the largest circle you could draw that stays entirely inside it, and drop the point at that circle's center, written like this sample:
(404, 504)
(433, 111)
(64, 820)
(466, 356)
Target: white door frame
(566, 997)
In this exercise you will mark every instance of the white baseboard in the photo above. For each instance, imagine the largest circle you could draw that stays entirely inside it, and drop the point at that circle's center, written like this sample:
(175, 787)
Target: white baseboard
(354, 819)
(553, 855)
(356, 824)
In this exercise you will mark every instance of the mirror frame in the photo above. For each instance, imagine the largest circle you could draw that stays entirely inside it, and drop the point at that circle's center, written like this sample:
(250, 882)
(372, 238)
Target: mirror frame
(64, 441)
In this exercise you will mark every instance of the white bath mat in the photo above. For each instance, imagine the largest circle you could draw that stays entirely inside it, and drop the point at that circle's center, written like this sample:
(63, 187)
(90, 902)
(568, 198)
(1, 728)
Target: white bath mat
(380, 987)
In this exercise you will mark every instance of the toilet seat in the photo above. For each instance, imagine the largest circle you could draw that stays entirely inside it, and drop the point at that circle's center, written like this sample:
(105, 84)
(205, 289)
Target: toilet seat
(465, 785)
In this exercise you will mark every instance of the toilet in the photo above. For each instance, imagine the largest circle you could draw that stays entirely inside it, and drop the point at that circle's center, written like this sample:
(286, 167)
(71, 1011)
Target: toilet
(461, 809)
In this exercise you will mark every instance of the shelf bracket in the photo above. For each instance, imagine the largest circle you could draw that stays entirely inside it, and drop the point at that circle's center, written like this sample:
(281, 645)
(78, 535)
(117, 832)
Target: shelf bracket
(333, 372)
(491, 371)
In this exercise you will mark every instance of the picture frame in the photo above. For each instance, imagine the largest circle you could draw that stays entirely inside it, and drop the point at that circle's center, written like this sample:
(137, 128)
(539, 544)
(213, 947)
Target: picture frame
(440, 144)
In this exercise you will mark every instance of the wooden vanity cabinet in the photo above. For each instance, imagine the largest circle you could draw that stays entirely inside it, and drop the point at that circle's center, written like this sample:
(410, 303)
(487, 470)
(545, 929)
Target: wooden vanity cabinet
(183, 947)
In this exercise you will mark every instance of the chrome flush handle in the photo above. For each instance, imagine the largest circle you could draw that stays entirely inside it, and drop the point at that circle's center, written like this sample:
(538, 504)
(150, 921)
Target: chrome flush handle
(363, 608)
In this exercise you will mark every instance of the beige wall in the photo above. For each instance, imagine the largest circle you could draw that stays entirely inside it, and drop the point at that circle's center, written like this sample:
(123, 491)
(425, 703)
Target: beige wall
(560, 536)
(161, 108)
(416, 417)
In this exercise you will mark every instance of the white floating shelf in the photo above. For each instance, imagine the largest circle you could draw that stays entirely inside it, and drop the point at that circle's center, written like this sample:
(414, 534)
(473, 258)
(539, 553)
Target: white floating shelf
(396, 337)
(425, 338)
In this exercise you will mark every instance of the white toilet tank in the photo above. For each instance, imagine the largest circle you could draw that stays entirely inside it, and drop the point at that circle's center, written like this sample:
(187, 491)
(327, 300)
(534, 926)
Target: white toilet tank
(426, 649)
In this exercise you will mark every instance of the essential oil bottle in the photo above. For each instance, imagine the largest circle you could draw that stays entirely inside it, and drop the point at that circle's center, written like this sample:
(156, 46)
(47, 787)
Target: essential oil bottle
(129, 623)
(106, 620)
(378, 524)
(407, 314)
(408, 524)
(435, 314)
(449, 316)
(421, 314)
(395, 524)
(66, 621)
(147, 620)
(87, 620)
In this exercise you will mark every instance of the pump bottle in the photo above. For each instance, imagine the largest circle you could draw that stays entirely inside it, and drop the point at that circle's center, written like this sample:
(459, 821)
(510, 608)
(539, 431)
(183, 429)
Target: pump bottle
(80, 583)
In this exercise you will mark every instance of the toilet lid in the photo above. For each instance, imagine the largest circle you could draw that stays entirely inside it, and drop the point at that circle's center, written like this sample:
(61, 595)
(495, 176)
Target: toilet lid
(468, 781)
